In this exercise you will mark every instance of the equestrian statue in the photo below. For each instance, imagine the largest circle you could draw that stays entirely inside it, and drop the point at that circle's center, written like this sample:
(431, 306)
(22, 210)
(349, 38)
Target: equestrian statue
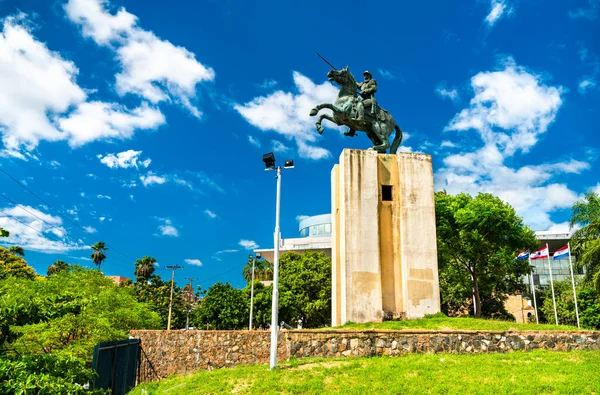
(357, 108)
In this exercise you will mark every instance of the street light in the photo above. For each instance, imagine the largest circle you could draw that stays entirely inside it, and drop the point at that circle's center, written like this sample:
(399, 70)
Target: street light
(250, 256)
(269, 160)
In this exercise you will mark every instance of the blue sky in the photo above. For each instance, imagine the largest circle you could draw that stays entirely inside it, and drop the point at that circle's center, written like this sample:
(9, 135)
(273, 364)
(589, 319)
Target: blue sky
(144, 123)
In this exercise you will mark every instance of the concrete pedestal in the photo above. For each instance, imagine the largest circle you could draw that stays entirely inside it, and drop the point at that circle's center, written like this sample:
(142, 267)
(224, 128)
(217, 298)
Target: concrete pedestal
(384, 253)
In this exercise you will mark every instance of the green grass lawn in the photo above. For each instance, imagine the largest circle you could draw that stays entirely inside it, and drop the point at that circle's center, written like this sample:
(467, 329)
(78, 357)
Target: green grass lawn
(460, 323)
(539, 372)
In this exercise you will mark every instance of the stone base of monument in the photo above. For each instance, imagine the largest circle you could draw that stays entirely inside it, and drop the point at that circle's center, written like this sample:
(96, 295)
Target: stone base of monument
(384, 254)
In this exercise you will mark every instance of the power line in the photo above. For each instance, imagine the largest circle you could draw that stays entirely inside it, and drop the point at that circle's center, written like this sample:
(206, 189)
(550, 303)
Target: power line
(40, 232)
(220, 274)
(57, 211)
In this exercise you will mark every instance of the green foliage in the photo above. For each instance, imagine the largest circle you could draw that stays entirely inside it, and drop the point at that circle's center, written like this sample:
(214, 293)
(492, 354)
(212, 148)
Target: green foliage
(477, 241)
(156, 293)
(56, 373)
(4, 232)
(11, 264)
(263, 270)
(223, 307)
(99, 254)
(537, 372)
(69, 311)
(587, 301)
(305, 289)
(263, 302)
(16, 250)
(144, 268)
(586, 240)
(57, 267)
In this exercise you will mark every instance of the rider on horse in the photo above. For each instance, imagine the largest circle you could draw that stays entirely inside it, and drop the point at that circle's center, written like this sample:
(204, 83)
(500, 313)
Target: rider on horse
(367, 93)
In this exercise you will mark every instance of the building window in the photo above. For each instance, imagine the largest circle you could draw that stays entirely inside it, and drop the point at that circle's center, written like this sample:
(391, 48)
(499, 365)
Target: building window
(386, 193)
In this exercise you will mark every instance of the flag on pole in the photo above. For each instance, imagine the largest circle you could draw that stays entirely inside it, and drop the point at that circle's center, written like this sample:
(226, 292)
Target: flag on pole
(523, 255)
(541, 253)
(561, 252)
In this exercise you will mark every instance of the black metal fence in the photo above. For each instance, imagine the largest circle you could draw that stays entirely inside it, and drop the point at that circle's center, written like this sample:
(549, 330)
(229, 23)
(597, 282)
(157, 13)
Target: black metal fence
(116, 364)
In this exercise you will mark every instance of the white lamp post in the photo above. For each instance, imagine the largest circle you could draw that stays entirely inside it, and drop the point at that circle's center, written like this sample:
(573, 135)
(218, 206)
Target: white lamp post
(269, 160)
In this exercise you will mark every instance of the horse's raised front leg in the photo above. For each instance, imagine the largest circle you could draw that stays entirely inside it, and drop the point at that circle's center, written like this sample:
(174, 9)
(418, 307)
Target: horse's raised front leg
(321, 117)
(321, 106)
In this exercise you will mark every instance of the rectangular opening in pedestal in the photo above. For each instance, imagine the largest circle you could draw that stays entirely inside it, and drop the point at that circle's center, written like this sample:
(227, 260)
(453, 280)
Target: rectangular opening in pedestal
(386, 193)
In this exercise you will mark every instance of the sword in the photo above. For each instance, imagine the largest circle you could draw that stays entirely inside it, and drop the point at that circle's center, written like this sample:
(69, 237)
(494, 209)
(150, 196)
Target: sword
(325, 60)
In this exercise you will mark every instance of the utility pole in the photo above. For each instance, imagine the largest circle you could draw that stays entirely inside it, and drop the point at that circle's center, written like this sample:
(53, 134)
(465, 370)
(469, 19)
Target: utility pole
(190, 293)
(173, 268)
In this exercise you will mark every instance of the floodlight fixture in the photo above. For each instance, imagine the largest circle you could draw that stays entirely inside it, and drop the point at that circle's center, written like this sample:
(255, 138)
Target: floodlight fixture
(258, 255)
(250, 256)
(269, 160)
(289, 164)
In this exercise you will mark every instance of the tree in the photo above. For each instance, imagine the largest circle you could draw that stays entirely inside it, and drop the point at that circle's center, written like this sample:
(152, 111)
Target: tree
(156, 293)
(14, 265)
(477, 240)
(98, 256)
(586, 240)
(587, 302)
(223, 307)
(305, 289)
(144, 268)
(57, 267)
(263, 270)
(16, 250)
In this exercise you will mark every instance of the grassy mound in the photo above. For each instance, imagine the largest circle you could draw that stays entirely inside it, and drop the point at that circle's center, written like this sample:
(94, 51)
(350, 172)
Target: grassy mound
(441, 322)
(515, 373)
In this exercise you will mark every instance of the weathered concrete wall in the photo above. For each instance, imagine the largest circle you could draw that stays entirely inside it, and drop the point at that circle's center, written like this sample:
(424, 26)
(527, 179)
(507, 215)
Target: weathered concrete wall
(168, 352)
(384, 253)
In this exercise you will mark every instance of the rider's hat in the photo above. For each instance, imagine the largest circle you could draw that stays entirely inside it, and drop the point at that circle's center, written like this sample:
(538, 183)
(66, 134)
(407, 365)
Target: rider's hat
(367, 72)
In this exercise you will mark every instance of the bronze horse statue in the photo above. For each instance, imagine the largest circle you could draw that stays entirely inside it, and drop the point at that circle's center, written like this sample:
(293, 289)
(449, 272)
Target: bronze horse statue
(377, 126)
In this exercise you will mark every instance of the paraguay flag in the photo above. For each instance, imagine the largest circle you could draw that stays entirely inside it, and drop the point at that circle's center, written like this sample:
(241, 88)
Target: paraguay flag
(523, 255)
(561, 252)
(541, 253)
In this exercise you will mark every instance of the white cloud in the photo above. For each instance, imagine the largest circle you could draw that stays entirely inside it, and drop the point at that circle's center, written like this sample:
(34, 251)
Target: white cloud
(268, 84)
(590, 13)
(254, 141)
(167, 228)
(444, 92)
(151, 178)
(104, 197)
(229, 251)
(101, 121)
(301, 217)
(278, 146)
(511, 107)
(210, 214)
(54, 164)
(193, 262)
(35, 230)
(248, 244)
(124, 160)
(89, 229)
(37, 84)
(509, 110)
(586, 84)
(497, 9)
(387, 75)
(287, 113)
(448, 144)
(152, 68)
(39, 89)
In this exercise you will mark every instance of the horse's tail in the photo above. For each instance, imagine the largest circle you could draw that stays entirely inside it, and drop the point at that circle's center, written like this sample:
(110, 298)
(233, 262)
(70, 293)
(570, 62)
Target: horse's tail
(397, 140)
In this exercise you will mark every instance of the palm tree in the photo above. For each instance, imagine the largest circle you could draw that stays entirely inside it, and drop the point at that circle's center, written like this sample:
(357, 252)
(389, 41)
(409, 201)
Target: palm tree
(99, 253)
(586, 240)
(263, 270)
(16, 250)
(144, 268)
(57, 267)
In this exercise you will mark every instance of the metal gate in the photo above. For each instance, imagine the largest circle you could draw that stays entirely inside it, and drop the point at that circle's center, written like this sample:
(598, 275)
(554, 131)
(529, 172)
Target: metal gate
(116, 364)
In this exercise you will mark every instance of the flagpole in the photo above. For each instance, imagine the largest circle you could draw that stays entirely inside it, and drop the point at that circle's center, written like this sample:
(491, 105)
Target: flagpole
(537, 320)
(573, 283)
(551, 284)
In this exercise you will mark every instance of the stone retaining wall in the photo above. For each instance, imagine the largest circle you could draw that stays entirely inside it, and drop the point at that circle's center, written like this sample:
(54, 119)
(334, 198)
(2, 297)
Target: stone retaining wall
(168, 352)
